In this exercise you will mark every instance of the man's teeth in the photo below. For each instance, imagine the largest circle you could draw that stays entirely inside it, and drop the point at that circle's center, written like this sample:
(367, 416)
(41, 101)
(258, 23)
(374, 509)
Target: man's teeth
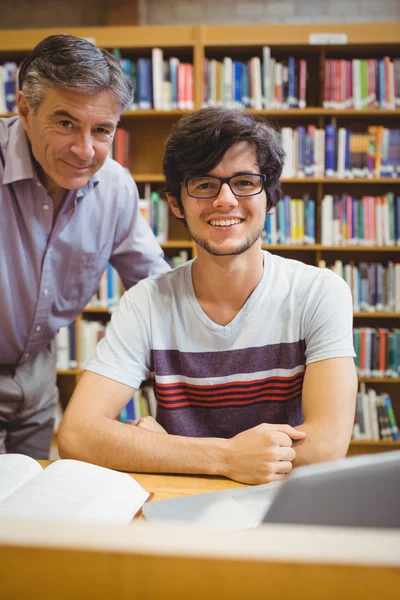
(225, 223)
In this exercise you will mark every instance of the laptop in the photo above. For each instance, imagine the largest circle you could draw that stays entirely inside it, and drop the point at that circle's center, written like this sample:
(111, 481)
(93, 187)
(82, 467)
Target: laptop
(359, 491)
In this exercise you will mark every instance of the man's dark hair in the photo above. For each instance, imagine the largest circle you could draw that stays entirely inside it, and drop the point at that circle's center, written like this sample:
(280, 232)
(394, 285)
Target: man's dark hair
(74, 64)
(199, 140)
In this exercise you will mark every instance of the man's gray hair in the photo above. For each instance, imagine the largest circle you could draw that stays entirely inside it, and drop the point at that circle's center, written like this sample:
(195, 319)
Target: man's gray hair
(74, 64)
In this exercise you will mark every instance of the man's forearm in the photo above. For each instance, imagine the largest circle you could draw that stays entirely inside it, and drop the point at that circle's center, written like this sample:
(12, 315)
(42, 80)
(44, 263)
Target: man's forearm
(318, 445)
(129, 448)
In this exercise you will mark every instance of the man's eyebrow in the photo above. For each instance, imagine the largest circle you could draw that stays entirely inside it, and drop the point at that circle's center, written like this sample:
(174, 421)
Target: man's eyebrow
(65, 113)
(248, 172)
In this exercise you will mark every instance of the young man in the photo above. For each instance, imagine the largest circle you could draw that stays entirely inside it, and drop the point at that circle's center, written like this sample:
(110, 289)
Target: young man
(65, 211)
(252, 354)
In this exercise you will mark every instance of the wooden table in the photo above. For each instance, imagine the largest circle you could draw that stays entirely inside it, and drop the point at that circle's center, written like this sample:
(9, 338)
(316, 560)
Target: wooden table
(147, 561)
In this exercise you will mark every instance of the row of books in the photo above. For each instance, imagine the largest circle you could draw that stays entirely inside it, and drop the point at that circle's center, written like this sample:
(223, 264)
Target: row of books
(89, 332)
(159, 84)
(377, 352)
(375, 287)
(374, 417)
(331, 152)
(255, 84)
(142, 404)
(292, 221)
(109, 291)
(8, 87)
(362, 83)
(155, 210)
(165, 84)
(365, 221)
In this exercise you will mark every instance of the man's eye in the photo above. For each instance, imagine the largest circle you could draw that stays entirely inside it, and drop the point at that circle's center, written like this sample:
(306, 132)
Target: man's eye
(102, 131)
(66, 124)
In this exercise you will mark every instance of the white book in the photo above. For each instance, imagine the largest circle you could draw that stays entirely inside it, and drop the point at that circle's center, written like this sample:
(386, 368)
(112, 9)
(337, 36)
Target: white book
(326, 220)
(366, 416)
(255, 65)
(266, 52)
(62, 345)
(3, 107)
(157, 74)
(287, 143)
(319, 154)
(356, 68)
(228, 81)
(67, 490)
(373, 415)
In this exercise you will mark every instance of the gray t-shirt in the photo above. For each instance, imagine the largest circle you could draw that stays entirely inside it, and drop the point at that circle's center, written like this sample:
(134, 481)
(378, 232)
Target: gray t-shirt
(213, 380)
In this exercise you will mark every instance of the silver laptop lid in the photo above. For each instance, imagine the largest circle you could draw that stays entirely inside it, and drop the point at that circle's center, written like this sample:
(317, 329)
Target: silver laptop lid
(360, 491)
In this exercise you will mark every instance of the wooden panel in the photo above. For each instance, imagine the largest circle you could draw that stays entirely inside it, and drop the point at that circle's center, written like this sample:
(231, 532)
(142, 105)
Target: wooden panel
(14, 40)
(59, 573)
(123, 12)
(298, 35)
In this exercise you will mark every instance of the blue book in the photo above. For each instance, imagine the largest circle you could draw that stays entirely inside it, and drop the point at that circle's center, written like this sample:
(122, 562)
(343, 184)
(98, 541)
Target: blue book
(110, 286)
(292, 96)
(330, 150)
(245, 86)
(397, 220)
(144, 78)
(10, 86)
(347, 168)
(311, 220)
(382, 84)
(267, 229)
(281, 219)
(237, 83)
(301, 133)
(127, 413)
(286, 200)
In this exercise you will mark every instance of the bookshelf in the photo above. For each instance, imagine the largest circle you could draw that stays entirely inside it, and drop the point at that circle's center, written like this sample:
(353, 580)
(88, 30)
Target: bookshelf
(194, 44)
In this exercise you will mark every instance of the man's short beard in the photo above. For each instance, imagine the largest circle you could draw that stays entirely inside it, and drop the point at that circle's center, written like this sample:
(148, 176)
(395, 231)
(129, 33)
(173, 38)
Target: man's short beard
(217, 252)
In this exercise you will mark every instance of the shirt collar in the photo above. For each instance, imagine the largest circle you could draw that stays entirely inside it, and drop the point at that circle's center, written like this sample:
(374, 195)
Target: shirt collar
(19, 164)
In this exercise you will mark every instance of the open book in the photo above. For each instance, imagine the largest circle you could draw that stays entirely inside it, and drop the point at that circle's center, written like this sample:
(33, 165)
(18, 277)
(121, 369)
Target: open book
(67, 490)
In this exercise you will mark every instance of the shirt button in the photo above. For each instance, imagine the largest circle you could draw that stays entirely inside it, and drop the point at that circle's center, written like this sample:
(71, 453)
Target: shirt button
(45, 291)
(38, 328)
(45, 207)
(26, 354)
(38, 184)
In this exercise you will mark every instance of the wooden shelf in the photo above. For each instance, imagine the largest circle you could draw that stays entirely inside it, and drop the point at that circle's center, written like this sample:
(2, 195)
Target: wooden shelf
(376, 315)
(307, 247)
(178, 244)
(156, 113)
(69, 371)
(98, 309)
(395, 380)
(378, 443)
(155, 177)
(357, 180)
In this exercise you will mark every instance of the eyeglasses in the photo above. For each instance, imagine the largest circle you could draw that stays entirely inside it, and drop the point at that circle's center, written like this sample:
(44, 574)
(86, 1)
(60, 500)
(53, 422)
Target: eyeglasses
(247, 184)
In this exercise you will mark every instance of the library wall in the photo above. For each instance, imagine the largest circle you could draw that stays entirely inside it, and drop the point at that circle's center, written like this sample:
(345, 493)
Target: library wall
(240, 12)
(95, 13)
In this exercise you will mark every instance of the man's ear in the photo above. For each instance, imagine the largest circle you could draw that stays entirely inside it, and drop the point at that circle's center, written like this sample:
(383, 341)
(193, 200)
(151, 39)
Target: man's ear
(23, 109)
(175, 206)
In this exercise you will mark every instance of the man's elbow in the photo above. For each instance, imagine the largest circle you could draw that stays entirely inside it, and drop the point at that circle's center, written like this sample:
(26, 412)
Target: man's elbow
(69, 441)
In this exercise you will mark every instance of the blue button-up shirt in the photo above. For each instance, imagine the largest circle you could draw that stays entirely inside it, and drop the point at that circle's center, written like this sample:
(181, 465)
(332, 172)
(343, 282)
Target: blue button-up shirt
(49, 272)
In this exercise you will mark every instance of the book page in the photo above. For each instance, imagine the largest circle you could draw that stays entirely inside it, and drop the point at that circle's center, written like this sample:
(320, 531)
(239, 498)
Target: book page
(15, 470)
(77, 491)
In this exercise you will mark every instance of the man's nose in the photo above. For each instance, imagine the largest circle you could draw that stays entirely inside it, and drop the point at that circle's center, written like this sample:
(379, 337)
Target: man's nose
(83, 147)
(225, 198)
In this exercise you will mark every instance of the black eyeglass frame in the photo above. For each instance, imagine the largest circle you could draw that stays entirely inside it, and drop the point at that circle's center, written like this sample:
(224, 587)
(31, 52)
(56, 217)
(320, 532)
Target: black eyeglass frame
(223, 180)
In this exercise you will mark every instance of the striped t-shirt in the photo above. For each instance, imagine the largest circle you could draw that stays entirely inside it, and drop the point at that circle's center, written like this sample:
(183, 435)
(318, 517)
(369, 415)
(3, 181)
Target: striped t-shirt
(214, 380)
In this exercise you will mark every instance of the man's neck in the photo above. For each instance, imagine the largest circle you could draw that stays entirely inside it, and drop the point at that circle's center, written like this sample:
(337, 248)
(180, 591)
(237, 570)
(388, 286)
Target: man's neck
(223, 284)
